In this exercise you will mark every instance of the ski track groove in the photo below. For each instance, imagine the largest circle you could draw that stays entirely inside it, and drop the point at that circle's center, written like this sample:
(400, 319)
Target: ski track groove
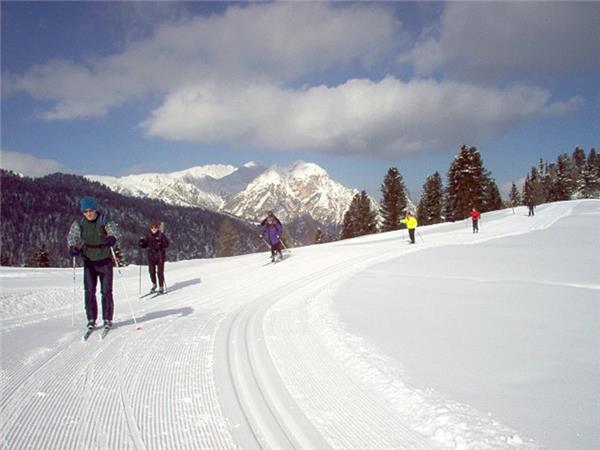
(26, 373)
(209, 434)
(51, 394)
(363, 430)
(351, 427)
(255, 307)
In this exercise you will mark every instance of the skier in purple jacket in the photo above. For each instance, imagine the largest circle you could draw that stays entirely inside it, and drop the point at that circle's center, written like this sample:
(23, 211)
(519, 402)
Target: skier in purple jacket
(272, 228)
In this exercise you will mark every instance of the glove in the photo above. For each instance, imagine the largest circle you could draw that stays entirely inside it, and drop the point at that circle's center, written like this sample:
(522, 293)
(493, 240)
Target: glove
(260, 236)
(277, 236)
(109, 241)
(142, 242)
(73, 251)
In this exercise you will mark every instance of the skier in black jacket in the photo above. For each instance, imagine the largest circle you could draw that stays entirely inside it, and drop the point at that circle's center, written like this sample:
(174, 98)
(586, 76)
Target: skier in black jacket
(156, 243)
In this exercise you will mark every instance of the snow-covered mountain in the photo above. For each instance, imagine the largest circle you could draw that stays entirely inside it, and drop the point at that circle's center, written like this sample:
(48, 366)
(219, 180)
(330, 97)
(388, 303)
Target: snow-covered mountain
(191, 187)
(303, 189)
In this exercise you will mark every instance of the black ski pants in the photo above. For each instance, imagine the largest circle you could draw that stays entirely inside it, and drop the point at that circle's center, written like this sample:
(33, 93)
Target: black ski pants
(92, 272)
(276, 247)
(154, 266)
(475, 226)
(411, 234)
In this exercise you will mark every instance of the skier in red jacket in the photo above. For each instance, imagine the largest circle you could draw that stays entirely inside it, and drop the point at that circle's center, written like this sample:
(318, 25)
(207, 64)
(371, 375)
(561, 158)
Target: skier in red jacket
(475, 216)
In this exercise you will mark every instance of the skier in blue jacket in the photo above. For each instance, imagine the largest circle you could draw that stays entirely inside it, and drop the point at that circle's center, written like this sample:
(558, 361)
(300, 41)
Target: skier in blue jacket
(272, 228)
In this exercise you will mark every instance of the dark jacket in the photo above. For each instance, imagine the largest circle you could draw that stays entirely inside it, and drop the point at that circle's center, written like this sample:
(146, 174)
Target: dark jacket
(157, 244)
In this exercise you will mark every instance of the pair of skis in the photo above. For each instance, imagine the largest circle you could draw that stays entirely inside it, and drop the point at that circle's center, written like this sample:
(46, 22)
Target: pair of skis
(276, 260)
(153, 294)
(89, 332)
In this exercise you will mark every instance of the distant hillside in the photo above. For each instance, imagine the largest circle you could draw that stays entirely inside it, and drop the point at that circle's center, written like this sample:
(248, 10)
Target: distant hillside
(38, 212)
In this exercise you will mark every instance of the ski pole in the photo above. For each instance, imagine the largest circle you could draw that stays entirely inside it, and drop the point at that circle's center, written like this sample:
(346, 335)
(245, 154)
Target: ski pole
(265, 242)
(126, 296)
(140, 276)
(74, 295)
(420, 235)
(284, 246)
(163, 277)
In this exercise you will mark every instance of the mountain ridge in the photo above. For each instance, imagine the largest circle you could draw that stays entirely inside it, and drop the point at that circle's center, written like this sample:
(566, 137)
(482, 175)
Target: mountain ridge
(292, 192)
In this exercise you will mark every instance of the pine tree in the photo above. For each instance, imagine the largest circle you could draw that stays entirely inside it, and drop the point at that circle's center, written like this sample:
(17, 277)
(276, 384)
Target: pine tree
(548, 182)
(429, 210)
(536, 189)
(514, 196)
(466, 184)
(368, 215)
(394, 200)
(228, 240)
(350, 223)
(492, 199)
(564, 185)
(594, 161)
(591, 176)
(528, 191)
(360, 219)
(578, 164)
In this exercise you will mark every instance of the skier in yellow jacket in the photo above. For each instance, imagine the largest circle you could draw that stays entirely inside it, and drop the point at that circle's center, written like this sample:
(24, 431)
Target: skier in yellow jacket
(411, 223)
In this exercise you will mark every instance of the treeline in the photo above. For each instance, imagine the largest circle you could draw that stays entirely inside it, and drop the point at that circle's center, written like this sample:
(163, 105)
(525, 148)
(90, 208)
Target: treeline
(570, 177)
(36, 215)
(469, 185)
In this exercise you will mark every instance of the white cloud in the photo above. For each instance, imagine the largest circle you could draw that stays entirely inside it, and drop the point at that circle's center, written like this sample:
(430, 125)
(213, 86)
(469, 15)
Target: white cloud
(29, 165)
(277, 42)
(566, 107)
(487, 39)
(384, 118)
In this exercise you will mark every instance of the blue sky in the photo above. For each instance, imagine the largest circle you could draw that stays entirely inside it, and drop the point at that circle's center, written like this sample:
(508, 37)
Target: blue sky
(129, 87)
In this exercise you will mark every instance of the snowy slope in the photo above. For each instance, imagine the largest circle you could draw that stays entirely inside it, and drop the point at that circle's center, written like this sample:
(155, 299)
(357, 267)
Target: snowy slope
(463, 341)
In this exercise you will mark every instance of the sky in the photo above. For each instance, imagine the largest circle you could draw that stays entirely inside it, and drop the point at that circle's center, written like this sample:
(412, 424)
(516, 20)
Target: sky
(131, 87)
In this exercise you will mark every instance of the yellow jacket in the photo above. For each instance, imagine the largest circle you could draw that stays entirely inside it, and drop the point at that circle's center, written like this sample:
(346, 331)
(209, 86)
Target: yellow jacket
(410, 222)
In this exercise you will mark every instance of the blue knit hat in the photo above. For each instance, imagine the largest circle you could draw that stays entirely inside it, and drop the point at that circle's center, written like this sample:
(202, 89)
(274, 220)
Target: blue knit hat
(87, 203)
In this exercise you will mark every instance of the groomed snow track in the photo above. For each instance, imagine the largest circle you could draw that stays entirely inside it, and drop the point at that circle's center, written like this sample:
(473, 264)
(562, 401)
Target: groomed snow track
(234, 359)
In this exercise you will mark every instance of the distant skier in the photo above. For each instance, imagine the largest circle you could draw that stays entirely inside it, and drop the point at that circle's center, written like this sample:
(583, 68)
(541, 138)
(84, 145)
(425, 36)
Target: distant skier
(272, 228)
(156, 242)
(475, 216)
(92, 237)
(531, 207)
(411, 223)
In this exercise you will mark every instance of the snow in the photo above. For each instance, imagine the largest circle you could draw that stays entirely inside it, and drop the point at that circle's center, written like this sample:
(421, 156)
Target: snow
(301, 169)
(462, 341)
(147, 184)
(215, 171)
